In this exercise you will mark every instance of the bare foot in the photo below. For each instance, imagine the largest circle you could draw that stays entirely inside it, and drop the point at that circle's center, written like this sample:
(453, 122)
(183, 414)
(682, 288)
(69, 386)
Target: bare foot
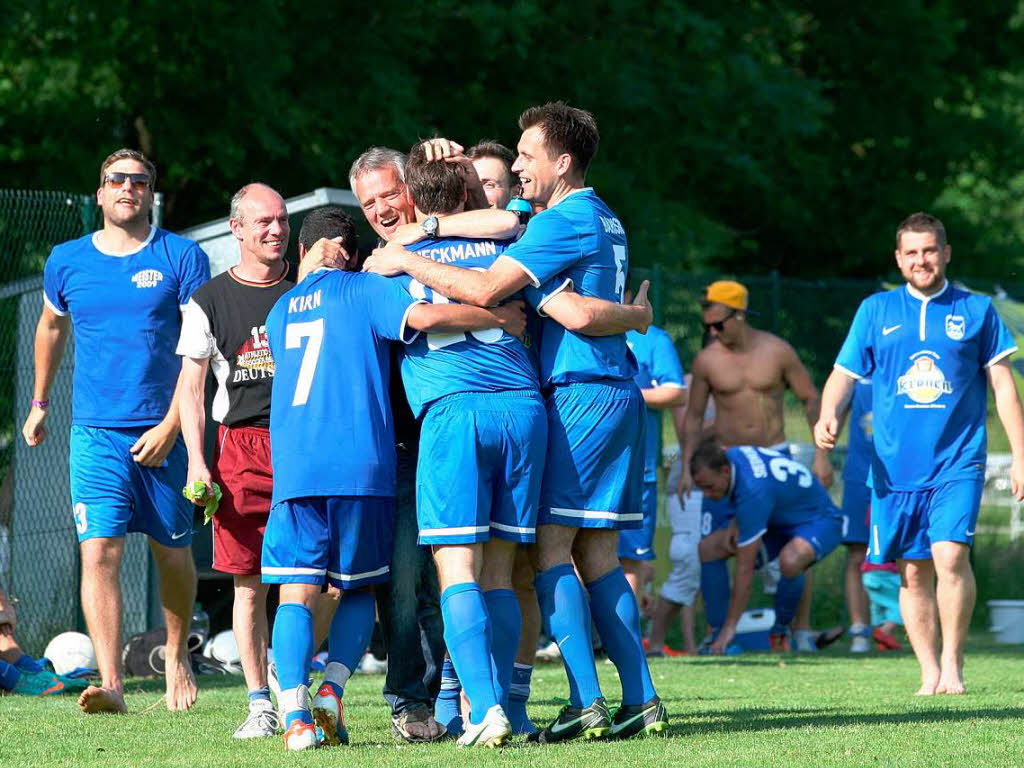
(181, 684)
(951, 684)
(95, 699)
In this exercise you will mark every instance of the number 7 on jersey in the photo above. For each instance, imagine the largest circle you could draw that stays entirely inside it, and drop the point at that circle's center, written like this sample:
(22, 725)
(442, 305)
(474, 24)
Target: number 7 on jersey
(293, 336)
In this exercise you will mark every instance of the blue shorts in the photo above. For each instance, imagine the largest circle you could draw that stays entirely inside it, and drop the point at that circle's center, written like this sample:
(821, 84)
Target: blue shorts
(111, 495)
(595, 465)
(823, 534)
(343, 540)
(638, 543)
(856, 502)
(904, 524)
(480, 467)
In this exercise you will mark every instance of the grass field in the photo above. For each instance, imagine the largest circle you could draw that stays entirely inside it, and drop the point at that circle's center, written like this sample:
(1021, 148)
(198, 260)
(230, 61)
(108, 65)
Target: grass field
(758, 709)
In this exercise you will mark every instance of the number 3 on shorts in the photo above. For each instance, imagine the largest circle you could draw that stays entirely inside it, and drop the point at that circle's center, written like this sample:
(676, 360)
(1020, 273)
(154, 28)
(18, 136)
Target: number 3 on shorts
(294, 334)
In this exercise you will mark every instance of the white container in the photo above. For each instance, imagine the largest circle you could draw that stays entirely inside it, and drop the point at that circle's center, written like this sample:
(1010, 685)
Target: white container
(1006, 620)
(760, 620)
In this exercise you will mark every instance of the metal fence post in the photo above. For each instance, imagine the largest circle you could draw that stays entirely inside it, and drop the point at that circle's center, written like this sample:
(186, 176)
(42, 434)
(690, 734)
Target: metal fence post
(158, 209)
(87, 210)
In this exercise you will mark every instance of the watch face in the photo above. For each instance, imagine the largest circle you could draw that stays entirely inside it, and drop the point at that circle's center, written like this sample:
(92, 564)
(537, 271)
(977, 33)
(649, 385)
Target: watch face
(430, 225)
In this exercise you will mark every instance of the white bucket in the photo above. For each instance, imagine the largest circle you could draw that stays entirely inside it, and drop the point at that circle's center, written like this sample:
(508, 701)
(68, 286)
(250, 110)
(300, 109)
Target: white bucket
(756, 620)
(1006, 620)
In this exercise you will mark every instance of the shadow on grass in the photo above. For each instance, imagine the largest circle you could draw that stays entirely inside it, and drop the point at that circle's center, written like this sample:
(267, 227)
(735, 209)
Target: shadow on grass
(762, 719)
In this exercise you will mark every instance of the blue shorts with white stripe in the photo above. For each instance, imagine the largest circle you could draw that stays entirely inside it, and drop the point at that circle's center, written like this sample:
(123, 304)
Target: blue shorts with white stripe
(341, 540)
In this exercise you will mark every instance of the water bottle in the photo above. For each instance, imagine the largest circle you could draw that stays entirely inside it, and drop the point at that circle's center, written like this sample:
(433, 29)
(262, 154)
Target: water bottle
(520, 208)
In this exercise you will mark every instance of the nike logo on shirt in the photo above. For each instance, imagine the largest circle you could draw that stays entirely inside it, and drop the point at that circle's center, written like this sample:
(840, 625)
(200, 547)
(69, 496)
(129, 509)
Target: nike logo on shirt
(891, 328)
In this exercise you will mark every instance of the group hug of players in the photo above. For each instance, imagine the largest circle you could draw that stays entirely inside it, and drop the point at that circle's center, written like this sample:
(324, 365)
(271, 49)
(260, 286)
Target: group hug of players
(514, 361)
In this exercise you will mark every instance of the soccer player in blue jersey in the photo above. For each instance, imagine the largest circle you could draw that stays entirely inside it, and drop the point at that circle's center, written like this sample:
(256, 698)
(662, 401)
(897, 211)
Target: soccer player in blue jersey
(856, 502)
(594, 471)
(777, 499)
(484, 435)
(333, 456)
(661, 383)
(928, 348)
(123, 287)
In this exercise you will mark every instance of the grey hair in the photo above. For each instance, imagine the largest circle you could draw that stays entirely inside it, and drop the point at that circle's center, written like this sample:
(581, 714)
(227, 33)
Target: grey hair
(239, 197)
(376, 158)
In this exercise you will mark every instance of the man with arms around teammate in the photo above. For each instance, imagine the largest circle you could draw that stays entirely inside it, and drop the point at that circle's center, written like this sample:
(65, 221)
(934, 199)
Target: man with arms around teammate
(595, 417)
(929, 348)
(124, 287)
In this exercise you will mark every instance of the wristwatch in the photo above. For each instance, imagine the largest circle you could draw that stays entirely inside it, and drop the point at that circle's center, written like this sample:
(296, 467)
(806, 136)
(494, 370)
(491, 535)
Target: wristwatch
(430, 227)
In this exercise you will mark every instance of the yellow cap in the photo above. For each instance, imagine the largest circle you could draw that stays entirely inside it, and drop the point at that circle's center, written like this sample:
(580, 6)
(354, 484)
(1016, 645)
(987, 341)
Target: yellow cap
(727, 292)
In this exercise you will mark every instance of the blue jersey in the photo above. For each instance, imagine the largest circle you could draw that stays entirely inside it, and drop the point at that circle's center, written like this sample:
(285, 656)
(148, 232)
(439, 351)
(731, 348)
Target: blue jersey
(579, 240)
(440, 364)
(658, 366)
(770, 490)
(859, 445)
(331, 428)
(926, 357)
(126, 309)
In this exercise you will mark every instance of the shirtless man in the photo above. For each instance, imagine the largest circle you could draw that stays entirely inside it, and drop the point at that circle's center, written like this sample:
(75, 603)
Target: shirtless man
(747, 372)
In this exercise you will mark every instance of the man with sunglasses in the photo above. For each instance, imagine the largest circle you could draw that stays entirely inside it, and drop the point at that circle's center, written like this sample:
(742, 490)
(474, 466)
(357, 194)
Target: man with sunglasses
(746, 371)
(124, 287)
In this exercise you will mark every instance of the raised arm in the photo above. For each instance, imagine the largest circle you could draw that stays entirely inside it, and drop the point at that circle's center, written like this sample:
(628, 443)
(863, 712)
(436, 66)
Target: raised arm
(1000, 376)
(834, 400)
(598, 317)
(483, 223)
(51, 338)
(451, 318)
(469, 286)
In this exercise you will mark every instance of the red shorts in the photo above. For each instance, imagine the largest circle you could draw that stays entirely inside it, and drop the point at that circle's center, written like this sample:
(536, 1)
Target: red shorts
(241, 467)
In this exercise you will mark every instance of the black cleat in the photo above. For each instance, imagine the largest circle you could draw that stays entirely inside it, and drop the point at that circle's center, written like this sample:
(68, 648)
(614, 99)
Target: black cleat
(647, 719)
(592, 722)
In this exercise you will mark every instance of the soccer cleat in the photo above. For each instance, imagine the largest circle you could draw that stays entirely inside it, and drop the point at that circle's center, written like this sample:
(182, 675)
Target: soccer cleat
(859, 645)
(648, 719)
(826, 637)
(300, 736)
(490, 732)
(886, 641)
(371, 665)
(593, 722)
(329, 716)
(803, 641)
(779, 642)
(261, 722)
(550, 652)
(43, 683)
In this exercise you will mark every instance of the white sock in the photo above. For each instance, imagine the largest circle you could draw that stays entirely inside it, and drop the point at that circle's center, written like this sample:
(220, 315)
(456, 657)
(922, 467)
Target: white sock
(337, 673)
(294, 699)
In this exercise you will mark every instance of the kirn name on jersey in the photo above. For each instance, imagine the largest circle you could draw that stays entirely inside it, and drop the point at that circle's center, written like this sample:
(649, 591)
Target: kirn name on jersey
(304, 303)
(460, 251)
(612, 226)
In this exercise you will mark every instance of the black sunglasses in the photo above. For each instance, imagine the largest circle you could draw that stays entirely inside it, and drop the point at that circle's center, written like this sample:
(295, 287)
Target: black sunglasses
(719, 325)
(118, 179)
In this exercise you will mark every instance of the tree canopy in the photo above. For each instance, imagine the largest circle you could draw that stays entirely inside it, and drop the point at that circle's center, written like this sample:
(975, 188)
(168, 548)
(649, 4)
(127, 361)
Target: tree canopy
(735, 136)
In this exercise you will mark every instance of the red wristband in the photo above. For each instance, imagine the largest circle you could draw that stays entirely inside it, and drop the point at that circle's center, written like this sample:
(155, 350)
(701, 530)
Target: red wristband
(43, 404)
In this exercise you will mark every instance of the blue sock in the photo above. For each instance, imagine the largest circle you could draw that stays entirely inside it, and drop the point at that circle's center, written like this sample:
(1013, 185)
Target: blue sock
(9, 675)
(293, 648)
(27, 664)
(787, 598)
(714, 586)
(506, 625)
(563, 604)
(518, 695)
(348, 637)
(259, 694)
(615, 612)
(467, 634)
(446, 709)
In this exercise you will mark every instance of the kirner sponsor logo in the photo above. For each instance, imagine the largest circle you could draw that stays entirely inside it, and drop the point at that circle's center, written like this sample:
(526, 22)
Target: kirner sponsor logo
(925, 382)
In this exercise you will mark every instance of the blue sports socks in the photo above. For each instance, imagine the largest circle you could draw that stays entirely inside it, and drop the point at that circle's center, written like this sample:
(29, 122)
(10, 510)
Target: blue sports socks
(714, 586)
(617, 617)
(518, 695)
(467, 634)
(9, 675)
(293, 647)
(348, 637)
(787, 598)
(506, 625)
(564, 608)
(259, 694)
(447, 710)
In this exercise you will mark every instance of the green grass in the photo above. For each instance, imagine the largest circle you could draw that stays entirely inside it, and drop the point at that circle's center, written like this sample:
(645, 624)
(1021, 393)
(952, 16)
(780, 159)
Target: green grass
(758, 709)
